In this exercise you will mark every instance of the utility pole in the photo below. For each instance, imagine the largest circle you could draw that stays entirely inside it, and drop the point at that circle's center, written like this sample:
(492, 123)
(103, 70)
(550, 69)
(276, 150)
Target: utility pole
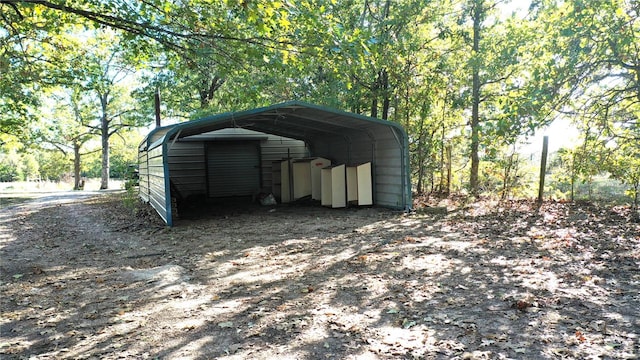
(157, 106)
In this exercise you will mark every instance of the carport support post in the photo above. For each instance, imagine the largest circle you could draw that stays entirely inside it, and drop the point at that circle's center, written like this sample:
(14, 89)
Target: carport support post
(543, 167)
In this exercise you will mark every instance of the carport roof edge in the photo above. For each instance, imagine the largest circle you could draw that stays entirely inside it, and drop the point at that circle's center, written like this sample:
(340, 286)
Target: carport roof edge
(207, 123)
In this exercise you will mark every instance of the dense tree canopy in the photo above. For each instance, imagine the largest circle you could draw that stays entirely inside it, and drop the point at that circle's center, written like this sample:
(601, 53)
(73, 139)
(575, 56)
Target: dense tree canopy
(467, 78)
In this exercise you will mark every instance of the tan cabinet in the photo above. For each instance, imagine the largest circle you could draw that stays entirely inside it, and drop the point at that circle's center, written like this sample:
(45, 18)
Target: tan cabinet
(325, 198)
(307, 177)
(334, 190)
(316, 166)
(365, 184)
(285, 182)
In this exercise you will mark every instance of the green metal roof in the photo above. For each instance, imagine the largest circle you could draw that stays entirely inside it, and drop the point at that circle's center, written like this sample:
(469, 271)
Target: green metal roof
(292, 119)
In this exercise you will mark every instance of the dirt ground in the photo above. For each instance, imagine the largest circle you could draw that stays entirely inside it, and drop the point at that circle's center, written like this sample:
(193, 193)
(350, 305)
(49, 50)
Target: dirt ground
(83, 277)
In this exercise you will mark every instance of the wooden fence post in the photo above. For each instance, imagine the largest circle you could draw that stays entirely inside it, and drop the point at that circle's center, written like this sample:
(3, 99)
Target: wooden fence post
(543, 167)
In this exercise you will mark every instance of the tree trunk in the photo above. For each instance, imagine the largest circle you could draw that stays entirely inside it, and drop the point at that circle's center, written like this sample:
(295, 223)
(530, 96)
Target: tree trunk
(442, 140)
(543, 167)
(449, 174)
(506, 179)
(636, 189)
(76, 166)
(422, 154)
(419, 185)
(104, 135)
(374, 106)
(475, 109)
(208, 89)
(573, 177)
(385, 94)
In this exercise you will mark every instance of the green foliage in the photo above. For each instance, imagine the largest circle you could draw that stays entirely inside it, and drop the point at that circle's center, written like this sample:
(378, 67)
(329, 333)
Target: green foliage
(30, 167)
(124, 154)
(597, 46)
(54, 165)
(624, 165)
(596, 170)
(131, 200)
(599, 188)
(10, 168)
(91, 166)
(563, 173)
(15, 166)
(119, 167)
(78, 73)
(508, 175)
(29, 37)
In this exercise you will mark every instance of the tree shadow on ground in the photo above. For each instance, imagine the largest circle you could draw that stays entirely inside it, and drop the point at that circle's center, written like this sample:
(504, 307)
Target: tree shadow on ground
(315, 283)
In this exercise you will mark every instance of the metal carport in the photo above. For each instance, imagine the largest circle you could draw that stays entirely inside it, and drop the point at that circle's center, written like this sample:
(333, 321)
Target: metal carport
(340, 136)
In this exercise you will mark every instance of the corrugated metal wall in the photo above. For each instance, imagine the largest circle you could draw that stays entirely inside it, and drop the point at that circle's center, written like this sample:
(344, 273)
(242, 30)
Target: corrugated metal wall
(276, 149)
(157, 184)
(188, 167)
(385, 154)
(388, 172)
(143, 171)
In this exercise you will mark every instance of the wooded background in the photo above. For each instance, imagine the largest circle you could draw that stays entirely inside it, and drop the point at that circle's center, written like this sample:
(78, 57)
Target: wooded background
(468, 79)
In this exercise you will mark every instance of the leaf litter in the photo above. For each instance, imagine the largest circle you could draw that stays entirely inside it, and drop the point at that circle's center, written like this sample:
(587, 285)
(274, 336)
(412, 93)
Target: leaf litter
(87, 279)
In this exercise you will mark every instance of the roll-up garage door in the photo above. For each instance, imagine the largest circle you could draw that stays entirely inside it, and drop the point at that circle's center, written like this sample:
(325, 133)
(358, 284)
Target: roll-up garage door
(233, 168)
